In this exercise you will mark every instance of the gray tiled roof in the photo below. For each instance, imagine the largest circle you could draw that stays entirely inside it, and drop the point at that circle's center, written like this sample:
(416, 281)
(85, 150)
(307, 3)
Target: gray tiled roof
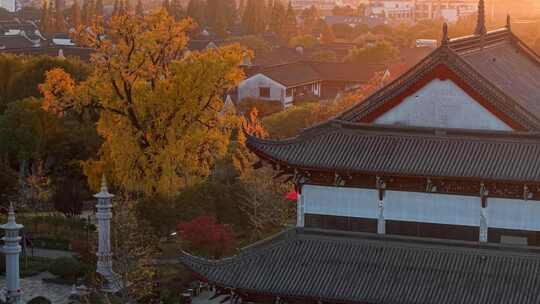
(405, 151)
(511, 70)
(363, 268)
(498, 66)
(293, 74)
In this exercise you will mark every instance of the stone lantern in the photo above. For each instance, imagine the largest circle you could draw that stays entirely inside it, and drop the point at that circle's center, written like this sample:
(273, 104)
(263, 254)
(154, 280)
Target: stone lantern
(104, 254)
(12, 250)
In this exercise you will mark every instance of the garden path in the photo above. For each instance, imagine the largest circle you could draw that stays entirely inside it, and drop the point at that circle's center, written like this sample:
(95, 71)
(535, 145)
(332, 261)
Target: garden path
(34, 286)
(49, 253)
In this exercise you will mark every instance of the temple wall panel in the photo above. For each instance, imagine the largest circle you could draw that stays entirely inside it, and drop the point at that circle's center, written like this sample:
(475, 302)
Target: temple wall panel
(514, 214)
(441, 103)
(417, 207)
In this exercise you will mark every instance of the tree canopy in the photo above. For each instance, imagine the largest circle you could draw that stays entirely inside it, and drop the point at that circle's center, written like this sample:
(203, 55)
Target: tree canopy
(159, 110)
(380, 52)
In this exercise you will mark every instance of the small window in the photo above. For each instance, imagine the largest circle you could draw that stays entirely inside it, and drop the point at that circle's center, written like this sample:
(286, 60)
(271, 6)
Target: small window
(288, 92)
(264, 92)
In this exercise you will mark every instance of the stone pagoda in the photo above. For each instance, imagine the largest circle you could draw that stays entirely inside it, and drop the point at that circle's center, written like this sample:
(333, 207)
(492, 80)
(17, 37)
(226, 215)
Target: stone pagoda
(12, 250)
(104, 263)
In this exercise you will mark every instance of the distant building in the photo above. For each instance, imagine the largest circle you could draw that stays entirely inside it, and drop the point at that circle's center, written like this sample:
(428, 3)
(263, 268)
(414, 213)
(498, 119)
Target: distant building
(371, 21)
(15, 33)
(9, 5)
(450, 10)
(393, 10)
(414, 10)
(320, 4)
(288, 82)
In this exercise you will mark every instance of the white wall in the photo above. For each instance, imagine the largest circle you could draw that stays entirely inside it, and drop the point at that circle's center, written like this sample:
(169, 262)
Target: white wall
(514, 214)
(442, 104)
(421, 207)
(8, 5)
(250, 88)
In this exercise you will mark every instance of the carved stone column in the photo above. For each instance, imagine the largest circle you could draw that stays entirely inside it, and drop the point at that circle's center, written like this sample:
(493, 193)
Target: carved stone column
(104, 254)
(300, 211)
(12, 250)
(483, 237)
(381, 222)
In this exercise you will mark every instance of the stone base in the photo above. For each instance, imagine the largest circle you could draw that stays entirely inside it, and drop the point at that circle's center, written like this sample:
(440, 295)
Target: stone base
(112, 282)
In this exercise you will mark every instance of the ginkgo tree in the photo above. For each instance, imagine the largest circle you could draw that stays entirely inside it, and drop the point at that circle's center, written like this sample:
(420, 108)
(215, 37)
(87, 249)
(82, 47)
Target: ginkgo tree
(160, 106)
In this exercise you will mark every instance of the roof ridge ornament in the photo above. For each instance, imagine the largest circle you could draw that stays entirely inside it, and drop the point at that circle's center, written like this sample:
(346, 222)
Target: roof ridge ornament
(481, 21)
(508, 22)
(445, 38)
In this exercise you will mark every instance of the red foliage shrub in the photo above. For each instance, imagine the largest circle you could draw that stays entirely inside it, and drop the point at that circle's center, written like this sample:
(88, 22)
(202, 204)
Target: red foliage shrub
(206, 236)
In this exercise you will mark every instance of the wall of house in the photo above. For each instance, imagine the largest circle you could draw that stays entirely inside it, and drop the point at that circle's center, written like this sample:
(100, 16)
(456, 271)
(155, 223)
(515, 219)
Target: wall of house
(249, 88)
(9, 5)
(423, 209)
(442, 104)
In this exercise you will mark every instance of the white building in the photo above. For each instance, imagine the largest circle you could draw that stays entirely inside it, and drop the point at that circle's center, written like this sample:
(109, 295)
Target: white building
(9, 5)
(450, 10)
(319, 4)
(396, 10)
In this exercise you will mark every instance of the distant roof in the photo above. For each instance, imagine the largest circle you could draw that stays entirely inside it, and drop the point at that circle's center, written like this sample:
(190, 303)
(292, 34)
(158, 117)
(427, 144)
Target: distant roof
(275, 56)
(348, 72)
(498, 67)
(293, 74)
(370, 21)
(15, 42)
(407, 151)
(199, 45)
(341, 267)
(507, 63)
(303, 72)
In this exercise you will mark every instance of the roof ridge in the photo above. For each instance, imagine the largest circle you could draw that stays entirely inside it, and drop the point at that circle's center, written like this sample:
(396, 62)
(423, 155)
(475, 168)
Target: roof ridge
(413, 242)
(409, 73)
(255, 249)
(447, 56)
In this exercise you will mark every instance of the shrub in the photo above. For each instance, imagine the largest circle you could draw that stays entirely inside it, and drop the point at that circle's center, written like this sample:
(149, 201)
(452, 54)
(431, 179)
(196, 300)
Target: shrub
(206, 236)
(40, 300)
(66, 268)
(264, 107)
(51, 243)
(290, 122)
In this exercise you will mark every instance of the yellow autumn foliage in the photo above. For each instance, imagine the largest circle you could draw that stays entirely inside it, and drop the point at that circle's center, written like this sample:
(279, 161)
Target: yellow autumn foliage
(159, 105)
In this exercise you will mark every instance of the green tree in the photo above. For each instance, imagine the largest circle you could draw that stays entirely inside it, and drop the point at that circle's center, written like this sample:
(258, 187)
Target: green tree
(177, 11)
(342, 31)
(75, 14)
(166, 6)
(159, 111)
(51, 23)
(23, 75)
(60, 22)
(135, 249)
(305, 41)
(99, 8)
(278, 17)
(196, 10)
(382, 51)
(253, 20)
(44, 21)
(327, 35)
(344, 11)
(290, 28)
(241, 8)
(139, 9)
(323, 56)
(251, 42)
(310, 17)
